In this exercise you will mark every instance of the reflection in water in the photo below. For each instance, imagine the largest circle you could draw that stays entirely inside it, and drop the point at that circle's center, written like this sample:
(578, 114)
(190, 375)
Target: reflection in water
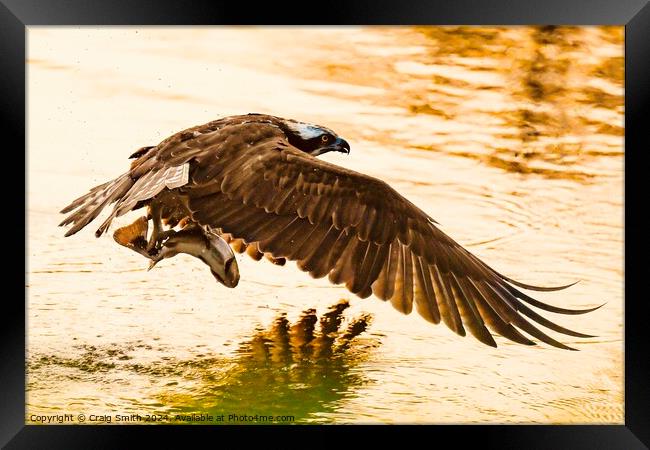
(286, 370)
(293, 370)
(550, 91)
(555, 94)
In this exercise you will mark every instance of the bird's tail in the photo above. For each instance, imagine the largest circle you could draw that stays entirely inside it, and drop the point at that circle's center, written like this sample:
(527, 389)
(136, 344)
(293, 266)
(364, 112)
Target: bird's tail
(89, 206)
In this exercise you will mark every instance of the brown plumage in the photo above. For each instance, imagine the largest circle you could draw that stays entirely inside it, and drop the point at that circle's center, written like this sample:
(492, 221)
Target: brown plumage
(256, 178)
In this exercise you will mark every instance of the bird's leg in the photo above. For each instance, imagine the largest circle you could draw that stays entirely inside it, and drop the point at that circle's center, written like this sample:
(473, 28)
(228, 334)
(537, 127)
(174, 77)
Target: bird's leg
(155, 213)
(158, 235)
(162, 237)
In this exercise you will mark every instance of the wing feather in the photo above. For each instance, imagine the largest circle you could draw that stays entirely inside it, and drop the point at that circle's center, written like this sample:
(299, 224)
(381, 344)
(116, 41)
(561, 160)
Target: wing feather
(425, 300)
(317, 261)
(492, 319)
(384, 286)
(470, 314)
(344, 246)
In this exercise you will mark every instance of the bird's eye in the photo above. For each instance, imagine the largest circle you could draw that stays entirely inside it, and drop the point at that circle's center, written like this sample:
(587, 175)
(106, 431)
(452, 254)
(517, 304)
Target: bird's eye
(324, 138)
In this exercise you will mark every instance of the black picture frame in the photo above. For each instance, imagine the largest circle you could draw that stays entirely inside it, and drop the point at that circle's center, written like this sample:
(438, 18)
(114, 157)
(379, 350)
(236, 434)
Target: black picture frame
(16, 15)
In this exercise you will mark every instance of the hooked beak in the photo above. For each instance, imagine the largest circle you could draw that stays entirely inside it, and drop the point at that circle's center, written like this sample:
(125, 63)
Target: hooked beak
(341, 145)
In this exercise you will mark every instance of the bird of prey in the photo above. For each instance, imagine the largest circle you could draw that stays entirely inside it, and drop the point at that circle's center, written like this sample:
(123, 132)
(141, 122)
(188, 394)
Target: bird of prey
(256, 180)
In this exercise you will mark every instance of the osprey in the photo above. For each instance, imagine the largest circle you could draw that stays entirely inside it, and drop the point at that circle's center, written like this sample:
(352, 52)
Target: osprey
(256, 179)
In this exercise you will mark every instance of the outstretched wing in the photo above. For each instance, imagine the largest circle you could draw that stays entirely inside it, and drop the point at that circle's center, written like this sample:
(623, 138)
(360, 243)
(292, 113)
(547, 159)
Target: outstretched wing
(154, 169)
(359, 231)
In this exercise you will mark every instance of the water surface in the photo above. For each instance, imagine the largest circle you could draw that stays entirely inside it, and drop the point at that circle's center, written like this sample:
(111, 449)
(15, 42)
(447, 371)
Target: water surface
(511, 138)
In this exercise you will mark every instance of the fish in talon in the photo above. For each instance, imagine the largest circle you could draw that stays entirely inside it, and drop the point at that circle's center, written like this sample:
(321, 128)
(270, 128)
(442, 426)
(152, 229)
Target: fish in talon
(206, 246)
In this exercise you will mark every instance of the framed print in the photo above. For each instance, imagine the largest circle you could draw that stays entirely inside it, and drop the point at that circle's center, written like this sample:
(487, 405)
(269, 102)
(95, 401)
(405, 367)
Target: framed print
(409, 215)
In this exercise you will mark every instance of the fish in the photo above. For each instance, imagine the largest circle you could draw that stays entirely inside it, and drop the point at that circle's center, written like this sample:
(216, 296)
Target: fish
(205, 245)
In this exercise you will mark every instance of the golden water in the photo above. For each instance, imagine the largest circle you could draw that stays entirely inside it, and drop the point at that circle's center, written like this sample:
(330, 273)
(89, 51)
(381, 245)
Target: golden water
(511, 138)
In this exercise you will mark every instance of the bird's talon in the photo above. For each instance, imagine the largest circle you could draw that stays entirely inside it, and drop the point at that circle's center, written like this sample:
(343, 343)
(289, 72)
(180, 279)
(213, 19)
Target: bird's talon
(156, 244)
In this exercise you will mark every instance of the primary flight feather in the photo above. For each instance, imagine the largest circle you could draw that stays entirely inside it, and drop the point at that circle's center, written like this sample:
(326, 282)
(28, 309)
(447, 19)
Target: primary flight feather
(256, 178)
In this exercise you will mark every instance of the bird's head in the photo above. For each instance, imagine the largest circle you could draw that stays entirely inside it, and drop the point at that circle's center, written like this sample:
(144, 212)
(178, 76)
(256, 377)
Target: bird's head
(313, 139)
